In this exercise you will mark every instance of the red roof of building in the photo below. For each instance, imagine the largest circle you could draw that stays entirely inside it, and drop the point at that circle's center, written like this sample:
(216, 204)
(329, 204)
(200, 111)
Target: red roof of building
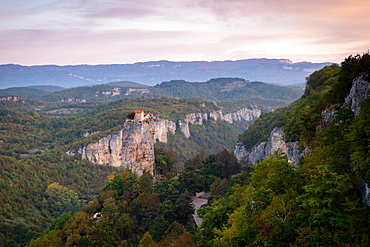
(146, 114)
(138, 111)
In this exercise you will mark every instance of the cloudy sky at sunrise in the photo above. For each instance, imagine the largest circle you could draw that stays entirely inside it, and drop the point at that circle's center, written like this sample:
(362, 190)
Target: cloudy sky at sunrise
(127, 31)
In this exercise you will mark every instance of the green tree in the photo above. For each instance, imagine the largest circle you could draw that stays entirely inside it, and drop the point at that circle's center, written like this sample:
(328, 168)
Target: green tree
(219, 188)
(147, 241)
(145, 183)
(230, 164)
(158, 228)
(166, 162)
(149, 207)
(167, 189)
(183, 207)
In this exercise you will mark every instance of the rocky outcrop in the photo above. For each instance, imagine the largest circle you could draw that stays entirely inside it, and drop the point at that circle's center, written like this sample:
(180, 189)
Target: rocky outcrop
(12, 98)
(113, 92)
(244, 114)
(137, 91)
(359, 91)
(193, 118)
(184, 128)
(73, 100)
(366, 195)
(133, 145)
(196, 118)
(87, 133)
(274, 143)
(162, 127)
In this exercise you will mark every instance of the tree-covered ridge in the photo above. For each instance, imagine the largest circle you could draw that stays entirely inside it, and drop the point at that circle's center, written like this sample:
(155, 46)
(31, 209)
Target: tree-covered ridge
(26, 132)
(36, 191)
(26, 92)
(295, 116)
(128, 207)
(220, 89)
(140, 211)
(280, 205)
(30, 92)
(318, 203)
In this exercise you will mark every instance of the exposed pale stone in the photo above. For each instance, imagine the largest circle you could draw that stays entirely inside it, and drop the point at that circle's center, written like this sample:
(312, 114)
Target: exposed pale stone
(140, 90)
(87, 133)
(274, 143)
(13, 98)
(216, 115)
(131, 147)
(162, 127)
(244, 114)
(359, 91)
(184, 128)
(196, 118)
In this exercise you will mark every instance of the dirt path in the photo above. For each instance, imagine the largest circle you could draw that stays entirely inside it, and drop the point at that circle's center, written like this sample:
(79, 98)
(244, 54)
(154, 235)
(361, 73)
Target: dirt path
(197, 201)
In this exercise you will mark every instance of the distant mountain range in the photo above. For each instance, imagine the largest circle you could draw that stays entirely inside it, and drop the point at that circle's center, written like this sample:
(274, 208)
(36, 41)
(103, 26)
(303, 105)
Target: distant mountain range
(275, 71)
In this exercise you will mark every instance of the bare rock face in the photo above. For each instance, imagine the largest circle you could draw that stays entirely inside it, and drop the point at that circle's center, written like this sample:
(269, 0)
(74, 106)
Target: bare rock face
(131, 147)
(13, 98)
(358, 92)
(196, 118)
(162, 127)
(113, 92)
(138, 146)
(244, 114)
(216, 115)
(184, 128)
(274, 143)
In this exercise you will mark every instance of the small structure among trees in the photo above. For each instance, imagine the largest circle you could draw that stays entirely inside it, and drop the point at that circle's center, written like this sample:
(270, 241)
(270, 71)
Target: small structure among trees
(140, 115)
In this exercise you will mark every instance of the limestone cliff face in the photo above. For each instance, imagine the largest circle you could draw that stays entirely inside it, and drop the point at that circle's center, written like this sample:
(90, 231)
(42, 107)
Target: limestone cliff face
(13, 98)
(131, 147)
(162, 127)
(359, 91)
(244, 114)
(274, 143)
(112, 92)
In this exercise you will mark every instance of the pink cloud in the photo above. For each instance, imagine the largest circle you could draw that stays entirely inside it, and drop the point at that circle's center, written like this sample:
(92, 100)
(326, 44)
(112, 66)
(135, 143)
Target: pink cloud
(94, 31)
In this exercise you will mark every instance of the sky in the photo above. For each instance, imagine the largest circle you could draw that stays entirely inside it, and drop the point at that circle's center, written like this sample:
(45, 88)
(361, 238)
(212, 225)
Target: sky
(69, 32)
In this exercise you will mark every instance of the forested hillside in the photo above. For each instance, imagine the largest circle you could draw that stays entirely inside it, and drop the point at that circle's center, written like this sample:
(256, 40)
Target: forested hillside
(26, 132)
(319, 202)
(220, 89)
(40, 180)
